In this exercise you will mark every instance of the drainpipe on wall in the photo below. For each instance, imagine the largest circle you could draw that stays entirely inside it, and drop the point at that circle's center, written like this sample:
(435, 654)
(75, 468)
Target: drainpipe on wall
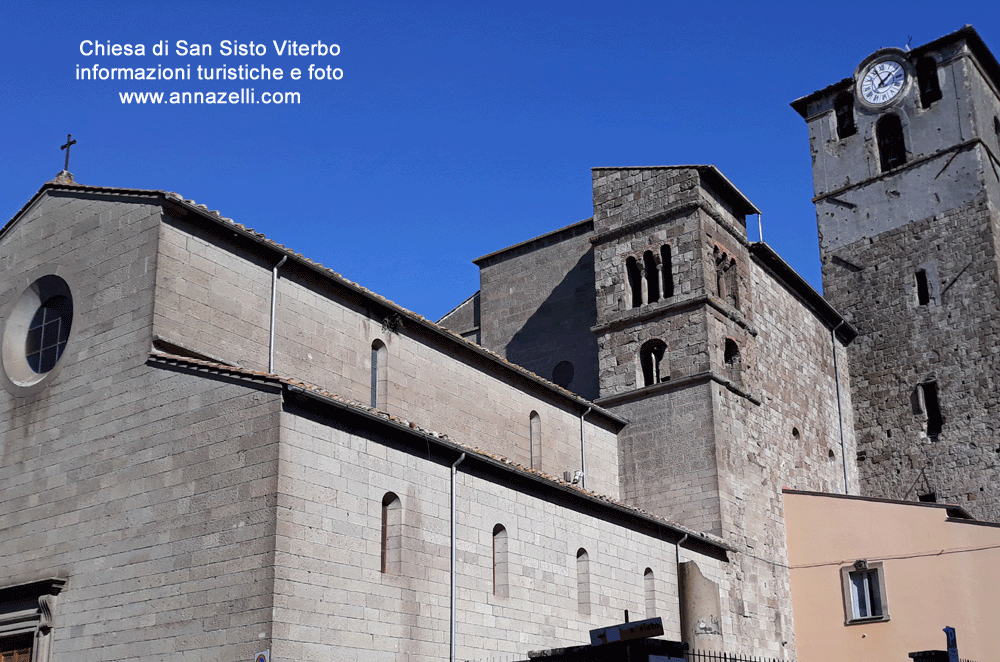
(583, 454)
(840, 411)
(454, 471)
(274, 302)
(680, 587)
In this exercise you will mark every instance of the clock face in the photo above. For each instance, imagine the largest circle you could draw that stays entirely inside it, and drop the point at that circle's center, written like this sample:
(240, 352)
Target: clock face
(882, 82)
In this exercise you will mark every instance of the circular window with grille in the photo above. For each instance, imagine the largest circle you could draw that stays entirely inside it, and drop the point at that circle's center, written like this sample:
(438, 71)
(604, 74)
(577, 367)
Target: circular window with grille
(36, 332)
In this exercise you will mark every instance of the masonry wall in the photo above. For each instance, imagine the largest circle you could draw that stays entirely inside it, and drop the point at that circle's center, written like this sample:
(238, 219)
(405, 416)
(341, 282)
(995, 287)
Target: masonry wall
(144, 489)
(785, 431)
(537, 305)
(668, 455)
(324, 335)
(952, 340)
(333, 600)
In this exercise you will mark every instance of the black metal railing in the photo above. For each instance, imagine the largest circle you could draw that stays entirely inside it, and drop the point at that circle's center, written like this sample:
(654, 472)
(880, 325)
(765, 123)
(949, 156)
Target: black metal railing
(715, 656)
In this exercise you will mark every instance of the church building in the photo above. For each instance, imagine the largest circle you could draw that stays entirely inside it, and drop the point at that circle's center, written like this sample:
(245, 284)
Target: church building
(214, 448)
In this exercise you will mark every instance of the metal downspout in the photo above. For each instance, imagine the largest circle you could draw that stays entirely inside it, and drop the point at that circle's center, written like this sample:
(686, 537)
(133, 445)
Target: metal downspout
(840, 411)
(680, 589)
(583, 454)
(454, 471)
(274, 302)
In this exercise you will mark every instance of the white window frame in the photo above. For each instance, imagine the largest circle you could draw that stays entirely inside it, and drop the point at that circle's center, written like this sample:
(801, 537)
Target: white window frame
(874, 600)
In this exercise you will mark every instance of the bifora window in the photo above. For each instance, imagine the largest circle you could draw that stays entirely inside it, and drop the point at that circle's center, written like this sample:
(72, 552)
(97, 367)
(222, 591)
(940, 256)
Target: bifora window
(48, 333)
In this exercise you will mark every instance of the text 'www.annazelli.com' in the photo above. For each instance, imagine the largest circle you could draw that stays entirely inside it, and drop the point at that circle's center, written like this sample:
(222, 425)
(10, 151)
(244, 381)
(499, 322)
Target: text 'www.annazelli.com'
(244, 96)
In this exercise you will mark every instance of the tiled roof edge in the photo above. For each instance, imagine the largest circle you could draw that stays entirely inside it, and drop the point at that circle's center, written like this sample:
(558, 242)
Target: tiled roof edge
(313, 391)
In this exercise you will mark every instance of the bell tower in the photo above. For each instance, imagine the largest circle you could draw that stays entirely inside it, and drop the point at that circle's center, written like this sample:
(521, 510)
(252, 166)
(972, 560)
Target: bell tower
(906, 175)
(674, 320)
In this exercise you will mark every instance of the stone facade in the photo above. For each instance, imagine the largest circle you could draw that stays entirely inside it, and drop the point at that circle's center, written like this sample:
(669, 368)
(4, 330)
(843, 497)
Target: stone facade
(718, 355)
(910, 257)
(234, 449)
(165, 496)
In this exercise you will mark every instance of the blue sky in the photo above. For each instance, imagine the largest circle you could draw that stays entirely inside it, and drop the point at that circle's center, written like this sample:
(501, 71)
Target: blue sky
(457, 128)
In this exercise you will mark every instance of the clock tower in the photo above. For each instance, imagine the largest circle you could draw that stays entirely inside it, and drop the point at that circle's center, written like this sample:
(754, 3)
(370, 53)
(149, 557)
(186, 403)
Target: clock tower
(906, 174)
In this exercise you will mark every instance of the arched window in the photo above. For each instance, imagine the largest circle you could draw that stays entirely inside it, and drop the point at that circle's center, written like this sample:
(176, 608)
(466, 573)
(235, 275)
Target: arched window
(927, 80)
(583, 581)
(843, 107)
(535, 432)
(380, 374)
(650, 585)
(667, 271)
(392, 534)
(634, 281)
(651, 364)
(652, 277)
(500, 561)
(891, 147)
(732, 352)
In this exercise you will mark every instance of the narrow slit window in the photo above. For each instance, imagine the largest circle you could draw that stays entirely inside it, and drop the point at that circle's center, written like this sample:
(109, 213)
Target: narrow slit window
(651, 362)
(649, 583)
(923, 293)
(891, 147)
(932, 407)
(667, 271)
(392, 534)
(583, 581)
(380, 375)
(500, 561)
(634, 281)
(844, 110)
(731, 353)
(927, 80)
(535, 433)
(652, 277)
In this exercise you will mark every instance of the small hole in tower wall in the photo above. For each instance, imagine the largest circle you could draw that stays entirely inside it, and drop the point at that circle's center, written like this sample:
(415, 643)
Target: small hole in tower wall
(923, 293)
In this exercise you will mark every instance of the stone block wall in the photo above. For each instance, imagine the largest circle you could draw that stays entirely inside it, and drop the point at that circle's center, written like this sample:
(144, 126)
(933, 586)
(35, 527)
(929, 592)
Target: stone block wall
(324, 335)
(952, 340)
(668, 455)
(145, 490)
(537, 305)
(787, 432)
(333, 600)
